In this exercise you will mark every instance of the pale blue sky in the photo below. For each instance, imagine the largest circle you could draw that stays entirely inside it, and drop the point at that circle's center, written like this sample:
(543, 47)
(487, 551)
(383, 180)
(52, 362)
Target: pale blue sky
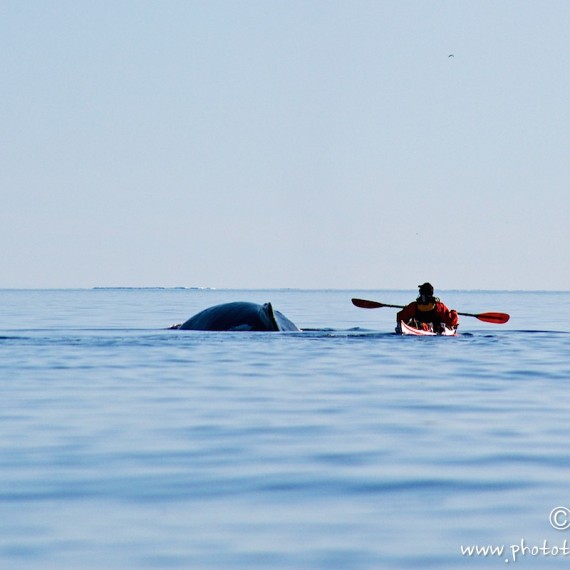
(287, 143)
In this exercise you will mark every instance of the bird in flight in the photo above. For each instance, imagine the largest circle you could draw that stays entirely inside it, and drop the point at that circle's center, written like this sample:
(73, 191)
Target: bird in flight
(450, 55)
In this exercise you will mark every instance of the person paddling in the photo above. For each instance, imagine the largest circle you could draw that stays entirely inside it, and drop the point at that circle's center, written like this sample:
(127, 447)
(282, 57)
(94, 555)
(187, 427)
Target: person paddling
(428, 312)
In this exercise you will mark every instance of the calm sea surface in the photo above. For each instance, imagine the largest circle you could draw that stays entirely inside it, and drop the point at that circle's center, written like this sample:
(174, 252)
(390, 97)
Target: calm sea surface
(126, 445)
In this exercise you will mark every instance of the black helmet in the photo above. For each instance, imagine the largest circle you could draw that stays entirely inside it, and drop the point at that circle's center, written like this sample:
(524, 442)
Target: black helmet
(426, 289)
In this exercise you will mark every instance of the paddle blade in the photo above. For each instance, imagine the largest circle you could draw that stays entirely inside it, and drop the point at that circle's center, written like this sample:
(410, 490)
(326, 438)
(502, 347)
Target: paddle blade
(497, 318)
(364, 304)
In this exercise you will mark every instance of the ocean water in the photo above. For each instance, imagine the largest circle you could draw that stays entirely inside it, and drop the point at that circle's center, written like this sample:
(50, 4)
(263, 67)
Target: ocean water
(127, 445)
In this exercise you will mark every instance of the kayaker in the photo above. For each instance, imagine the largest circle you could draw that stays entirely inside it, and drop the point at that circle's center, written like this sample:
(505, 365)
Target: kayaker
(428, 310)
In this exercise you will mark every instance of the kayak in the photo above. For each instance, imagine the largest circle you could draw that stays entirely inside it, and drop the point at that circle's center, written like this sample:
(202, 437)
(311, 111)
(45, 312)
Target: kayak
(404, 329)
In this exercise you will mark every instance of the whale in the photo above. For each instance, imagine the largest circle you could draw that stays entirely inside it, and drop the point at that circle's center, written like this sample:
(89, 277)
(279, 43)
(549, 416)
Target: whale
(238, 316)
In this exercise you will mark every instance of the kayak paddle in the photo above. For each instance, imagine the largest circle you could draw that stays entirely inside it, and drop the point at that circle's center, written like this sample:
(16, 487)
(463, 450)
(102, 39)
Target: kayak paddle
(496, 318)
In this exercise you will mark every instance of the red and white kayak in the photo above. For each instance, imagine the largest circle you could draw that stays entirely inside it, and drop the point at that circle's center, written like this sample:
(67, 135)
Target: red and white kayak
(404, 329)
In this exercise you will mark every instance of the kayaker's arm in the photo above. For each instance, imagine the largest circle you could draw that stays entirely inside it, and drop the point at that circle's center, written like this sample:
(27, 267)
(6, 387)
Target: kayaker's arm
(407, 313)
(450, 318)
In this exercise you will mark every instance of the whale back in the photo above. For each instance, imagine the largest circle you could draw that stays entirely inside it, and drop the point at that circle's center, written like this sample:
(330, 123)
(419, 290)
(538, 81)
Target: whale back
(239, 316)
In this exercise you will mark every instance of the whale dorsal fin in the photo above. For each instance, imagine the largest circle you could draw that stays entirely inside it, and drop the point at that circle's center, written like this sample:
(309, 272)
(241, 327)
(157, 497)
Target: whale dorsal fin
(267, 316)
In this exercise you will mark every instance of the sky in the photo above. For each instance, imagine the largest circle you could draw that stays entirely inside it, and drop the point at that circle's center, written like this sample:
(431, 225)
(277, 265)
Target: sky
(285, 143)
